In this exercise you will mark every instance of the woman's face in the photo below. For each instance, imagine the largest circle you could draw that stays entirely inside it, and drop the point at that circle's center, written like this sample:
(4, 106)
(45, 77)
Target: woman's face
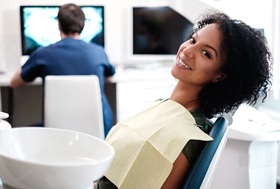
(199, 59)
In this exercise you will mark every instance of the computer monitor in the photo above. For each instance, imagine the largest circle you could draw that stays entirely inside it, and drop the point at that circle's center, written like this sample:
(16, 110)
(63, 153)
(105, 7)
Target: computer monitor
(159, 30)
(39, 26)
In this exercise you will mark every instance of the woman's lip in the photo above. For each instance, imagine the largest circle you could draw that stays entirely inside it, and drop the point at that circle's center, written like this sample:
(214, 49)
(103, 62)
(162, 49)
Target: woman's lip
(181, 63)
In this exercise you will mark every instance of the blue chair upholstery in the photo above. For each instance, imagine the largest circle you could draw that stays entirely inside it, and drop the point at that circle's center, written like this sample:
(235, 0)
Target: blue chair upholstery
(199, 170)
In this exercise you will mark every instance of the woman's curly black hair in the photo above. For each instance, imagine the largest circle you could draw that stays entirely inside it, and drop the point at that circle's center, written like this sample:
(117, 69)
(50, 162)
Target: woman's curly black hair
(246, 62)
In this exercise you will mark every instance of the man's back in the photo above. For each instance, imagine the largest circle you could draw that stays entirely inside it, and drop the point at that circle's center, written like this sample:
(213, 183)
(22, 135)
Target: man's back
(68, 57)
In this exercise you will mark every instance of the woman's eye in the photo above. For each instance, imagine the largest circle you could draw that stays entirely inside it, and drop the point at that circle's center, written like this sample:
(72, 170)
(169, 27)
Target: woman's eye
(207, 54)
(191, 40)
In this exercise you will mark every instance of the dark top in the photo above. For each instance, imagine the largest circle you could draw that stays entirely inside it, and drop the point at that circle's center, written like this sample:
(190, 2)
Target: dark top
(72, 57)
(191, 149)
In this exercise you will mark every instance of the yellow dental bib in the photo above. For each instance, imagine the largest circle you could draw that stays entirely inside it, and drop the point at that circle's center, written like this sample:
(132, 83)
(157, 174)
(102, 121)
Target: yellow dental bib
(148, 143)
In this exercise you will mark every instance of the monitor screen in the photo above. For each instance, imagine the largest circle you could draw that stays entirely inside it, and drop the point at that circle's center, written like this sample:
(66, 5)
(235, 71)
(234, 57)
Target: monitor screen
(39, 26)
(158, 30)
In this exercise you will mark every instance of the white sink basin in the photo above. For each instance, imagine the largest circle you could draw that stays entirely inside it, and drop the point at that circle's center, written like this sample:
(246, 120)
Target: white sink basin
(49, 158)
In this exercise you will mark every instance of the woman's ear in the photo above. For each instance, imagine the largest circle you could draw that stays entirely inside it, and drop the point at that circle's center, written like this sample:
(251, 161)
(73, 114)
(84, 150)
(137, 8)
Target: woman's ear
(220, 77)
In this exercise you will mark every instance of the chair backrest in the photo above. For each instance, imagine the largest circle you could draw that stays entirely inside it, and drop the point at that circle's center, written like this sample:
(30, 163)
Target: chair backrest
(74, 103)
(201, 173)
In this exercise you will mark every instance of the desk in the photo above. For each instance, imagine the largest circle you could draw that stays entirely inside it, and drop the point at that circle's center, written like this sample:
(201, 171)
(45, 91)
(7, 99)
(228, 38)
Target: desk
(24, 104)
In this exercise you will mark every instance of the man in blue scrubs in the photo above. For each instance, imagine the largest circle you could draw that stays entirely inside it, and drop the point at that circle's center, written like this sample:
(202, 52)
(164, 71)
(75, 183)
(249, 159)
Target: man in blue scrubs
(69, 56)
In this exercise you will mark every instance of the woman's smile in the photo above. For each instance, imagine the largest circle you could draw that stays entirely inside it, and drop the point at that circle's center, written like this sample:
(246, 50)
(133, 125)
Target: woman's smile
(182, 63)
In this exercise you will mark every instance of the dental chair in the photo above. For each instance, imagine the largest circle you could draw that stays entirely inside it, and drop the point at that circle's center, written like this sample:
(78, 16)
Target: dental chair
(201, 173)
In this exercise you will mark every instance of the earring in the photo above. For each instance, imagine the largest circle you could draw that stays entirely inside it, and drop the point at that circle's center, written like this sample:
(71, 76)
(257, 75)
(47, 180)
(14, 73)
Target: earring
(220, 78)
(217, 79)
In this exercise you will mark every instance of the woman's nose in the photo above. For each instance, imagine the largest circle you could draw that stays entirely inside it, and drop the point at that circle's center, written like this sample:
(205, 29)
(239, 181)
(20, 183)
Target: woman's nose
(188, 52)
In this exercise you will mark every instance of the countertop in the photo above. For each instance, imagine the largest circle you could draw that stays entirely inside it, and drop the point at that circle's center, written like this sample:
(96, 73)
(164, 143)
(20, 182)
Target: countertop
(150, 72)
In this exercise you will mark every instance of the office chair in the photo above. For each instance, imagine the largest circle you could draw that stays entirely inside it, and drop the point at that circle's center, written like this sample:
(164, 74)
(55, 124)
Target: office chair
(201, 173)
(74, 103)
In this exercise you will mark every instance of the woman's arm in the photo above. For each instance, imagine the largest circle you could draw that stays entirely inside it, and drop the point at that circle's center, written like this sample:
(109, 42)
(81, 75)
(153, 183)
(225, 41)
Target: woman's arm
(178, 173)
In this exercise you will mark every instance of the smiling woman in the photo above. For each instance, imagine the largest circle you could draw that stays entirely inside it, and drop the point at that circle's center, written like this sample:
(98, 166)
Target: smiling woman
(201, 56)
(224, 63)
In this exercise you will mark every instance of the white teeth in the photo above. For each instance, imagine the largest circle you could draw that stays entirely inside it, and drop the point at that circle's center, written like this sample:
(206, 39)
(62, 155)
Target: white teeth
(185, 65)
